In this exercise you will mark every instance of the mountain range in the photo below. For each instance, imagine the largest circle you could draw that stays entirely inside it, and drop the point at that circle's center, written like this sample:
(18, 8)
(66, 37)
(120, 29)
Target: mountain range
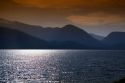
(16, 35)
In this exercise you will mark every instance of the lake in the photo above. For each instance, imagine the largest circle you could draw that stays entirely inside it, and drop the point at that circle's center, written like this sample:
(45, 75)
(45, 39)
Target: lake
(61, 66)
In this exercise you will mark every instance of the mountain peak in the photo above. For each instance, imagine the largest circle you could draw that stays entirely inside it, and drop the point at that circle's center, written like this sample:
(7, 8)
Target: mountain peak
(70, 25)
(72, 28)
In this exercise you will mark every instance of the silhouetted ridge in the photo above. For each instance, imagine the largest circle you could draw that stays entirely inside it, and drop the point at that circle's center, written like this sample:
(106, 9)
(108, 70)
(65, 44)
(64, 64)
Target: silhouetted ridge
(115, 40)
(14, 39)
(21, 35)
(115, 35)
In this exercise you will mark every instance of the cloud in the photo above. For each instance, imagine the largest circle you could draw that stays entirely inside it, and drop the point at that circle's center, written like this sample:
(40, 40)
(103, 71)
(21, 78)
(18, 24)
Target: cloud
(83, 12)
(72, 3)
(77, 7)
(48, 3)
(96, 19)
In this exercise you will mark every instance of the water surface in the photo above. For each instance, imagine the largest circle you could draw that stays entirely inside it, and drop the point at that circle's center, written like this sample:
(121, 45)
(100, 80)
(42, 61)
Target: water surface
(61, 66)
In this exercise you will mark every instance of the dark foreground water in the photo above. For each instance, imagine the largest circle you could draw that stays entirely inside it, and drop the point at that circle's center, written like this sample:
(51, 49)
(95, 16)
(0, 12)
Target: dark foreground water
(61, 66)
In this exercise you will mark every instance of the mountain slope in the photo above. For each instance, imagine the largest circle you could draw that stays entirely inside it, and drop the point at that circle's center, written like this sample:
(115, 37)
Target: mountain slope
(14, 39)
(115, 40)
(64, 34)
(11, 39)
(20, 35)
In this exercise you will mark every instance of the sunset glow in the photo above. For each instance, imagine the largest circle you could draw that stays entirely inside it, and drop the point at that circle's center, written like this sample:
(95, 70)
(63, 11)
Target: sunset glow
(91, 15)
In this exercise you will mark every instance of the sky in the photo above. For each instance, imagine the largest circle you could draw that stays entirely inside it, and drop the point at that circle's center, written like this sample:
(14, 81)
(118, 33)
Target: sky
(95, 16)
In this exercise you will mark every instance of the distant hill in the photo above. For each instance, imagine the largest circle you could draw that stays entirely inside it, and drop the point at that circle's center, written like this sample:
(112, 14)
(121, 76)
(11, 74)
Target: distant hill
(115, 40)
(19, 35)
(68, 33)
(12, 39)
(65, 34)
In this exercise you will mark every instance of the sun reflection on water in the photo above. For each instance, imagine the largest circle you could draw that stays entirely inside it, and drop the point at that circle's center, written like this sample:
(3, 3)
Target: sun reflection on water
(34, 52)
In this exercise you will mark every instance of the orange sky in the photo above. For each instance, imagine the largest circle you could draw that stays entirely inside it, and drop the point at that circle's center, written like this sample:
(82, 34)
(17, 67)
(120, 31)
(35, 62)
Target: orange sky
(92, 15)
(71, 3)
